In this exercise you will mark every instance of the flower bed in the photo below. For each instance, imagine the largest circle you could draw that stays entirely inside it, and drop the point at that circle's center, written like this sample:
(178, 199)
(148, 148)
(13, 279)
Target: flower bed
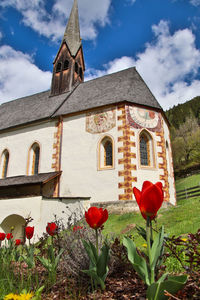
(80, 263)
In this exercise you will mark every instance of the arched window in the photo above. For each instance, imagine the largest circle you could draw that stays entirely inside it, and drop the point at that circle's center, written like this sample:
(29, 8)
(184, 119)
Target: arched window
(146, 149)
(76, 68)
(58, 67)
(5, 160)
(34, 159)
(106, 153)
(66, 65)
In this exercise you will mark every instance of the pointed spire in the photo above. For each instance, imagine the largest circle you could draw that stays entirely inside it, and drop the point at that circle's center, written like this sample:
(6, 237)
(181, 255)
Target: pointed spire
(72, 31)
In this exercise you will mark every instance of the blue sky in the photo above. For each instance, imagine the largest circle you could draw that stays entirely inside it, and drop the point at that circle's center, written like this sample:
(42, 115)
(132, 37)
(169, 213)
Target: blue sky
(160, 37)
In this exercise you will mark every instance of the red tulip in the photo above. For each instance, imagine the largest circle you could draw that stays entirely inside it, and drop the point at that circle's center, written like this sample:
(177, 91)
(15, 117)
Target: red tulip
(9, 236)
(17, 242)
(2, 236)
(149, 199)
(95, 217)
(76, 228)
(51, 228)
(29, 232)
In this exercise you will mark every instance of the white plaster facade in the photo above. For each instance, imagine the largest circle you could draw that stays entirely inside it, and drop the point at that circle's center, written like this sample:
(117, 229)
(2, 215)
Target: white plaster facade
(81, 175)
(71, 124)
(18, 142)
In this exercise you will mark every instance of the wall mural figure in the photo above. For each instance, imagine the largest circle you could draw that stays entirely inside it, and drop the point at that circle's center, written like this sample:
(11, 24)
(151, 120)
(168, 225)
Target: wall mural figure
(100, 121)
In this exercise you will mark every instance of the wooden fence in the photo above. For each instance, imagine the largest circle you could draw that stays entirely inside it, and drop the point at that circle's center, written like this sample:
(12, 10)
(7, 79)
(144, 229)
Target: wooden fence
(188, 193)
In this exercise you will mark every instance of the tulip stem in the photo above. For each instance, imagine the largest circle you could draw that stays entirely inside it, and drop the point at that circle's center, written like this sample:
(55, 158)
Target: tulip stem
(97, 242)
(149, 237)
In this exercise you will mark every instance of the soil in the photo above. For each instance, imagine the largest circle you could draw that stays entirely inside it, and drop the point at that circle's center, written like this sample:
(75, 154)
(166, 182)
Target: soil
(120, 285)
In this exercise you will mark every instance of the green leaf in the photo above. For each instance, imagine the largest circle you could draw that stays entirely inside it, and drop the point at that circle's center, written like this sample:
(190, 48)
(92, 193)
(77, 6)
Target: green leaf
(102, 263)
(91, 251)
(58, 258)
(174, 283)
(138, 262)
(38, 293)
(157, 248)
(44, 262)
(163, 277)
(51, 254)
(141, 231)
(92, 272)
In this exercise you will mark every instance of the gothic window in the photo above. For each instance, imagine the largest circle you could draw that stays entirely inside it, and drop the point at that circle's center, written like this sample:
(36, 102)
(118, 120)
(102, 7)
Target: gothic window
(5, 160)
(66, 65)
(34, 159)
(76, 68)
(58, 67)
(106, 159)
(146, 149)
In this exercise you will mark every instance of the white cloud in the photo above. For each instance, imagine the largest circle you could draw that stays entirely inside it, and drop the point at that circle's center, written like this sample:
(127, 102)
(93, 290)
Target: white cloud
(132, 1)
(116, 65)
(19, 76)
(52, 24)
(195, 2)
(1, 35)
(169, 65)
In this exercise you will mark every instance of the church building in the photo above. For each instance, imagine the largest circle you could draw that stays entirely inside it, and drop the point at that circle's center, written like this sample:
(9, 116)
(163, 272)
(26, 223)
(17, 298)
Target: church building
(80, 143)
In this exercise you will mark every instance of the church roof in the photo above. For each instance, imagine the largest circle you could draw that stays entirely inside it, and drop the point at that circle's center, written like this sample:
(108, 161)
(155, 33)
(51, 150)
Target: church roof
(27, 180)
(29, 109)
(126, 85)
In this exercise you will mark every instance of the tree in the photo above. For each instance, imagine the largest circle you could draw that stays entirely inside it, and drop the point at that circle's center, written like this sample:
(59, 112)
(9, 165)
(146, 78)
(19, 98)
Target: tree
(186, 143)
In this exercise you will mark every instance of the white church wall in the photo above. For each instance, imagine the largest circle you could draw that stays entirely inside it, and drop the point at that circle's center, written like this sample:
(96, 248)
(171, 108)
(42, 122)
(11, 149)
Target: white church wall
(24, 207)
(171, 180)
(41, 210)
(79, 162)
(18, 143)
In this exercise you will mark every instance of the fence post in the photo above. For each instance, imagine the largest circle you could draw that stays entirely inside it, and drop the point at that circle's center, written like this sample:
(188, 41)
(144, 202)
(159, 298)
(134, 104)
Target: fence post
(186, 196)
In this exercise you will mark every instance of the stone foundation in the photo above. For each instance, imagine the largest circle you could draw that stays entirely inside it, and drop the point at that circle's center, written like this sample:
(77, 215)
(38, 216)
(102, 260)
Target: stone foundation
(122, 207)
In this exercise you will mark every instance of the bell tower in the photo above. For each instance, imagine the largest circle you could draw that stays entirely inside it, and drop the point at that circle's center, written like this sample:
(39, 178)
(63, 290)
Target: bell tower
(68, 66)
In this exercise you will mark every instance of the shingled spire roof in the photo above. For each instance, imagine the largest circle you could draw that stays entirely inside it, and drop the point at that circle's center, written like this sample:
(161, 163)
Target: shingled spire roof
(72, 31)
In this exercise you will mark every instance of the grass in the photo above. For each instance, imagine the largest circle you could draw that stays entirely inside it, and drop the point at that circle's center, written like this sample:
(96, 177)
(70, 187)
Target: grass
(178, 220)
(187, 182)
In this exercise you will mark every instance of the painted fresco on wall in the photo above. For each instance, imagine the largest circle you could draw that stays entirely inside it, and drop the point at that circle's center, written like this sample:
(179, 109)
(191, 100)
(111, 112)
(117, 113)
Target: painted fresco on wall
(100, 121)
(138, 117)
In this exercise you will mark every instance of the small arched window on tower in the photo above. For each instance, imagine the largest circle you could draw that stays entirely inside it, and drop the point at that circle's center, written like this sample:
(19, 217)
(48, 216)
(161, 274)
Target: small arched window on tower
(34, 159)
(66, 65)
(58, 67)
(4, 163)
(76, 67)
(106, 151)
(146, 149)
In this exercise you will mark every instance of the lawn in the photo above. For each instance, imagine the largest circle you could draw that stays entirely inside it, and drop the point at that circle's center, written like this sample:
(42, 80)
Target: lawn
(178, 220)
(187, 182)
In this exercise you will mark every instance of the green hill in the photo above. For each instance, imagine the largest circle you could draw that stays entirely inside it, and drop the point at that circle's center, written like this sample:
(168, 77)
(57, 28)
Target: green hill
(178, 114)
(185, 136)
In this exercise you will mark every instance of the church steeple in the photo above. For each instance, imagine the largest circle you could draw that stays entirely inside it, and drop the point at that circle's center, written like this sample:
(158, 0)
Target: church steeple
(72, 31)
(69, 65)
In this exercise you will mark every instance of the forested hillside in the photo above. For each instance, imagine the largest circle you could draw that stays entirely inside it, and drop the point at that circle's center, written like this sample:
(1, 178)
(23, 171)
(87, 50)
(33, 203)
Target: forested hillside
(178, 114)
(185, 135)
